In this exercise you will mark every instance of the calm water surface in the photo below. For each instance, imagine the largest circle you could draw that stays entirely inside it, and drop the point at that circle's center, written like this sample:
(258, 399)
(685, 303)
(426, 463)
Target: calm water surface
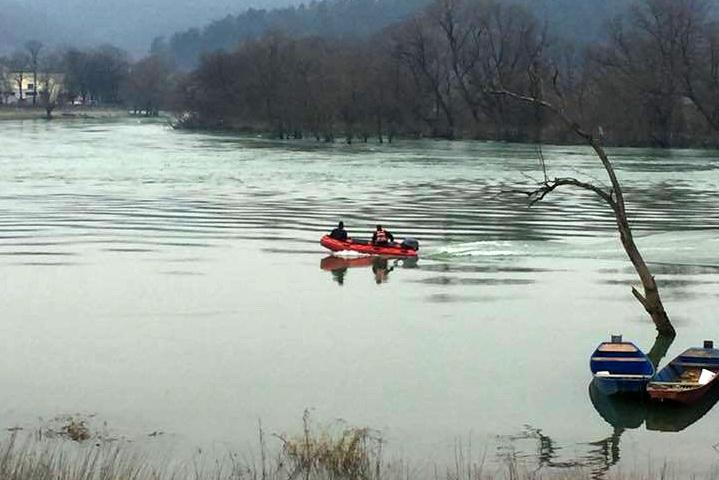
(173, 281)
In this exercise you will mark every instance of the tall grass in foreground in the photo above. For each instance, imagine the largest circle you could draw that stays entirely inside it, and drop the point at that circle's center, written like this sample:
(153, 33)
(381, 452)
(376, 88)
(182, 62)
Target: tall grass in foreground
(335, 453)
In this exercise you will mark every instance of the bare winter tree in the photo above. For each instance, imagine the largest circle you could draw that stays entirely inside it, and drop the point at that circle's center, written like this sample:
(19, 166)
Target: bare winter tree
(50, 93)
(19, 62)
(475, 43)
(613, 197)
(33, 48)
(421, 48)
(700, 58)
(5, 87)
(427, 76)
(147, 85)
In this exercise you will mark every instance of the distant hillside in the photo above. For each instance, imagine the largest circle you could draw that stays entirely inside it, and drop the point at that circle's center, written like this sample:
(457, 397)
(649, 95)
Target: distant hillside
(20, 23)
(576, 20)
(325, 18)
(129, 24)
(580, 20)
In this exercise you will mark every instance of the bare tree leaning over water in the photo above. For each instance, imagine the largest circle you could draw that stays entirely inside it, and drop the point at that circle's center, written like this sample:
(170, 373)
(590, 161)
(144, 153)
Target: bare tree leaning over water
(613, 197)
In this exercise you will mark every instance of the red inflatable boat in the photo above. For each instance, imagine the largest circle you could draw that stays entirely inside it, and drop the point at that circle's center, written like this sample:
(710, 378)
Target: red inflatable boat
(364, 246)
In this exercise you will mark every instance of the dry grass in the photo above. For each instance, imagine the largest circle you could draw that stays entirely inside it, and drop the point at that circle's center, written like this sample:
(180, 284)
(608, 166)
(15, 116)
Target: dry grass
(9, 112)
(348, 454)
(54, 460)
(334, 452)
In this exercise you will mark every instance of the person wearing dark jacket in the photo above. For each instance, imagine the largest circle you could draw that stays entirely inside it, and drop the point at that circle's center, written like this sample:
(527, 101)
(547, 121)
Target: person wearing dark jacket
(381, 237)
(339, 233)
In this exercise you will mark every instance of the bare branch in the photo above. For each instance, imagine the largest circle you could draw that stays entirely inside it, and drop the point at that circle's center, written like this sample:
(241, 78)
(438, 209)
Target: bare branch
(651, 300)
(549, 186)
(574, 126)
(542, 162)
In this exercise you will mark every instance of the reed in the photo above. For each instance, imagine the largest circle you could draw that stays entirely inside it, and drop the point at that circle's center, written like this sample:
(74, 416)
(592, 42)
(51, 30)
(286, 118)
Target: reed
(335, 452)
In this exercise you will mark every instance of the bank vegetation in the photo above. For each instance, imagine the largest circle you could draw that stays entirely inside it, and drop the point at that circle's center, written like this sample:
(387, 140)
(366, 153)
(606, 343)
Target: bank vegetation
(336, 451)
(652, 80)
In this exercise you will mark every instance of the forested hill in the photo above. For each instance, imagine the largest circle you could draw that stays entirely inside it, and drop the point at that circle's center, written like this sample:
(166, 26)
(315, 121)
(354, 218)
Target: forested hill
(127, 24)
(580, 20)
(324, 18)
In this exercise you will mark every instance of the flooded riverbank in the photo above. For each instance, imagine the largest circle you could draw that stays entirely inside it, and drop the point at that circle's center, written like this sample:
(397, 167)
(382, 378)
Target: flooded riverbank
(173, 281)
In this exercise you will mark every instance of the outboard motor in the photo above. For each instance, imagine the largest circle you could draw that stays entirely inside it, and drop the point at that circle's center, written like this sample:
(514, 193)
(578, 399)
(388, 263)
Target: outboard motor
(410, 243)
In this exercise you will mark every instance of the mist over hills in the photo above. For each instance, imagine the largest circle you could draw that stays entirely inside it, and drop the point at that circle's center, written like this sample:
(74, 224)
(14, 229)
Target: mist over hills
(577, 20)
(129, 24)
(327, 18)
(19, 23)
(582, 20)
(194, 27)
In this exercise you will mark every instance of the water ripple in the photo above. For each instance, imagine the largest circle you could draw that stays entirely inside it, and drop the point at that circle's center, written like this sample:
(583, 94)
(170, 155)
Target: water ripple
(183, 195)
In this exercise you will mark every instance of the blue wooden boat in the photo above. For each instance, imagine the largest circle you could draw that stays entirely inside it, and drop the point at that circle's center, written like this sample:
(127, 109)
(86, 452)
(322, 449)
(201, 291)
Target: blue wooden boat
(689, 377)
(620, 367)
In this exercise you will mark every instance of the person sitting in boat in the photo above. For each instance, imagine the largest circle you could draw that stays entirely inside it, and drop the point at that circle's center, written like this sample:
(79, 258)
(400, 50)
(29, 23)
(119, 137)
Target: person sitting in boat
(381, 237)
(339, 233)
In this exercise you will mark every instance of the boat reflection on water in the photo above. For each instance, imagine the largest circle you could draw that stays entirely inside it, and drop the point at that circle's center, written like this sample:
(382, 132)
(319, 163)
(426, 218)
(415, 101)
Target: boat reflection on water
(662, 417)
(621, 412)
(381, 266)
(626, 413)
(617, 410)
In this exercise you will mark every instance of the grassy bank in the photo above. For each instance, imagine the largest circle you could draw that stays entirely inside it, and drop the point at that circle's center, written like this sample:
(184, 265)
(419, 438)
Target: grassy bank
(29, 113)
(339, 452)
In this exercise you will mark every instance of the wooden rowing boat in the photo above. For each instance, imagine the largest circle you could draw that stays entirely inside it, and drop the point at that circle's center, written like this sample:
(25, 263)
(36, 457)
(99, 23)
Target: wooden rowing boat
(689, 377)
(620, 367)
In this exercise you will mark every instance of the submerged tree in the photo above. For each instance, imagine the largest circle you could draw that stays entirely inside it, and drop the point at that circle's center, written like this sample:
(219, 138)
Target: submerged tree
(613, 197)
(147, 86)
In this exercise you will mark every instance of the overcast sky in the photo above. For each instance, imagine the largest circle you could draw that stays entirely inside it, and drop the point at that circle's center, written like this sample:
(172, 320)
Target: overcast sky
(131, 24)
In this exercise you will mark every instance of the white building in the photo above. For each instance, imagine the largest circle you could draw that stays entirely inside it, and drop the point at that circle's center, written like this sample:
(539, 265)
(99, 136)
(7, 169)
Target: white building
(20, 87)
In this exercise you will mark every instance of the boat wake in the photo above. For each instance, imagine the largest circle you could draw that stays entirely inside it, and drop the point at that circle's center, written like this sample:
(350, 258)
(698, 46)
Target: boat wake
(480, 249)
(349, 254)
(690, 248)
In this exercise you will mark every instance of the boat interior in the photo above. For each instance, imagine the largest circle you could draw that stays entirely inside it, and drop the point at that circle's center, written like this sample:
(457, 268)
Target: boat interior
(685, 373)
(620, 360)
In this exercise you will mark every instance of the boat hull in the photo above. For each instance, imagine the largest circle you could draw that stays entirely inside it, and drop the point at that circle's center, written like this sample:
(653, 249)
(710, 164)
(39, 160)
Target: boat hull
(681, 380)
(687, 397)
(623, 386)
(620, 368)
(367, 248)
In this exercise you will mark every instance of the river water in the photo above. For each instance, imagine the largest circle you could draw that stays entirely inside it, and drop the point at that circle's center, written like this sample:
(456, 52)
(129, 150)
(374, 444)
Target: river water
(173, 281)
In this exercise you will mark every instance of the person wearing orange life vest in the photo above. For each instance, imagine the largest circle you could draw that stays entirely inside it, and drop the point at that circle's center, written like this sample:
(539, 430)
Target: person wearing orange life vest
(381, 237)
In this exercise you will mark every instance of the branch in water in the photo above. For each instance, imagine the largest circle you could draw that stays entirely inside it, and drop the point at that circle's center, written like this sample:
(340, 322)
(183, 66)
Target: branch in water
(549, 186)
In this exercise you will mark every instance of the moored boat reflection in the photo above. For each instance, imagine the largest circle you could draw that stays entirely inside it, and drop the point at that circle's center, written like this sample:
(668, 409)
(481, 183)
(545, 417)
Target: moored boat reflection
(617, 410)
(673, 417)
(630, 413)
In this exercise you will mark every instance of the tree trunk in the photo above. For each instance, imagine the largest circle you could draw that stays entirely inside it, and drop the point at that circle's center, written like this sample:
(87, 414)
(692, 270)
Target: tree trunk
(380, 139)
(650, 300)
